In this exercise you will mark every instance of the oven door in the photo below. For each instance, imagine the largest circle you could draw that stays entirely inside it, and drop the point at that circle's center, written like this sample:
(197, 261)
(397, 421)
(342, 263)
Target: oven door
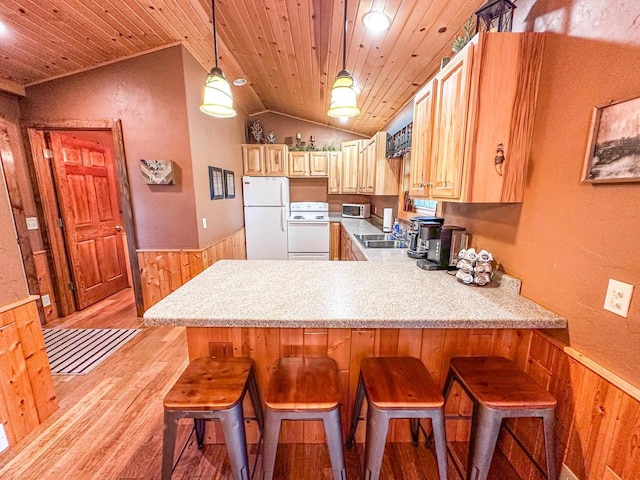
(308, 237)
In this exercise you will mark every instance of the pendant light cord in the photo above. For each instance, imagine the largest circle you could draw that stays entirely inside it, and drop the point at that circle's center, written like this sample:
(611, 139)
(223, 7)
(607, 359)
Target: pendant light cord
(344, 39)
(215, 31)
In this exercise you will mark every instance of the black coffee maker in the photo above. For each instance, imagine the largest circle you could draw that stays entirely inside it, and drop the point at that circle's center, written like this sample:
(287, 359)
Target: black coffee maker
(443, 248)
(421, 231)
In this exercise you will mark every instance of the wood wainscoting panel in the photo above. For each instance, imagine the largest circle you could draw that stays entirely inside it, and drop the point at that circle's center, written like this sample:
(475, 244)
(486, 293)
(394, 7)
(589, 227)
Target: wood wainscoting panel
(163, 271)
(27, 396)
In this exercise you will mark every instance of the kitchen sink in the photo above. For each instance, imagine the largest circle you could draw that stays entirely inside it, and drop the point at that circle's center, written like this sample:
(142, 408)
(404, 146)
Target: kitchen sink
(384, 243)
(374, 236)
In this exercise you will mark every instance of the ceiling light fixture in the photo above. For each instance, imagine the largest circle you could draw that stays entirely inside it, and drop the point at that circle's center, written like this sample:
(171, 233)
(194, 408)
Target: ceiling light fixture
(376, 21)
(240, 82)
(218, 101)
(343, 95)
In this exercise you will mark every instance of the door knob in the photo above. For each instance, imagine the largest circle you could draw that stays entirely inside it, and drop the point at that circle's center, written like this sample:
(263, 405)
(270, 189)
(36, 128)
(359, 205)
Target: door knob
(119, 228)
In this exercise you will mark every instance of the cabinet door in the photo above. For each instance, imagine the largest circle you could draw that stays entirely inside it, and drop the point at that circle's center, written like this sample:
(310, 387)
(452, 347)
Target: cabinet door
(349, 177)
(423, 110)
(334, 241)
(452, 104)
(318, 164)
(298, 164)
(335, 169)
(368, 168)
(275, 160)
(252, 160)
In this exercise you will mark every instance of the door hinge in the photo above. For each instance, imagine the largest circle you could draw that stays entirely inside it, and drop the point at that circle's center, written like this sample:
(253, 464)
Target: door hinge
(60, 223)
(48, 153)
(71, 286)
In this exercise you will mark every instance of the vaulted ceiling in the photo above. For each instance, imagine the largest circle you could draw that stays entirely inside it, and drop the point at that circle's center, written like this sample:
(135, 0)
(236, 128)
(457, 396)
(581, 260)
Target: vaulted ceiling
(288, 50)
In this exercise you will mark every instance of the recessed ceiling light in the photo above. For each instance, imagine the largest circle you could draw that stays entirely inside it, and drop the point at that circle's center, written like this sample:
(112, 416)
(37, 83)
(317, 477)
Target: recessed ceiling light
(376, 21)
(239, 82)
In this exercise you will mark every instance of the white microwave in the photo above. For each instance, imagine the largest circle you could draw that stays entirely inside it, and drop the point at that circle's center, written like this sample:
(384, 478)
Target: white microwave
(356, 210)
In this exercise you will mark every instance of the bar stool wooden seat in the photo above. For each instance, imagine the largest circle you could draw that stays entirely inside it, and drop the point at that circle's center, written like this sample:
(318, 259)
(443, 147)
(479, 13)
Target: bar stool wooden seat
(397, 387)
(304, 389)
(499, 389)
(212, 388)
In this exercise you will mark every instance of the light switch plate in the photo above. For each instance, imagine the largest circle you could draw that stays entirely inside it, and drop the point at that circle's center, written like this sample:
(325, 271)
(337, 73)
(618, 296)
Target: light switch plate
(204, 222)
(4, 441)
(618, 297)
(46, 300)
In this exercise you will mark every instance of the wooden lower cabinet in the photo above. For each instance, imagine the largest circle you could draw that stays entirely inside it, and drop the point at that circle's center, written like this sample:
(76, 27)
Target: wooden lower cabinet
(27, 396)
(334, 241)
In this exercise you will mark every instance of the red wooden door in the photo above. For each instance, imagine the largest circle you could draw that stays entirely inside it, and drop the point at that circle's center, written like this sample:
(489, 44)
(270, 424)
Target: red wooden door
(87, 194)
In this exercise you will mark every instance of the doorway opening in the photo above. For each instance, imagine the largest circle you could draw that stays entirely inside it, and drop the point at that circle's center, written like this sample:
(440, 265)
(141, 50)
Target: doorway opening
(82, 194)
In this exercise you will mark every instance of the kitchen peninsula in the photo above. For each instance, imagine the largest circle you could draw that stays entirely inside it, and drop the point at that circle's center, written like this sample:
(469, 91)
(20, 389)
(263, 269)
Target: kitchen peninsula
(268, 309)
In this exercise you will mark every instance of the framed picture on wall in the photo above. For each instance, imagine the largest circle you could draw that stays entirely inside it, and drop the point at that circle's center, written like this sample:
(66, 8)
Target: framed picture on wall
(613, 151)
(216, 183)
(229, 184)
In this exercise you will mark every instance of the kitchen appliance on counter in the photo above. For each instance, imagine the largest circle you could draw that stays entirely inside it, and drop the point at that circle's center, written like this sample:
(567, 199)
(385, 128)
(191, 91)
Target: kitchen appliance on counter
(421, 230)
(266, 206)
(442, 253)
(308, 231)
(356, 210)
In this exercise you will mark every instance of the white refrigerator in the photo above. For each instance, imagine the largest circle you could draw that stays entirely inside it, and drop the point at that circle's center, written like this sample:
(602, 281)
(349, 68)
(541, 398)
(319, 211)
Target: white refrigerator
(266, 207)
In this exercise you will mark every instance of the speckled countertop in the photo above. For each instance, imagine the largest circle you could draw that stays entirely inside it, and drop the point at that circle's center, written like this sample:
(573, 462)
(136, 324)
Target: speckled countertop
(387, 291)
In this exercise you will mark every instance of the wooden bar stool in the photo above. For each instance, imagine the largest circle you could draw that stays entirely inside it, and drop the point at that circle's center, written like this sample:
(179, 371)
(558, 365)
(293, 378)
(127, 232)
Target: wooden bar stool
(397, 387)
(304, 389)
(212, 388)
(499, 389)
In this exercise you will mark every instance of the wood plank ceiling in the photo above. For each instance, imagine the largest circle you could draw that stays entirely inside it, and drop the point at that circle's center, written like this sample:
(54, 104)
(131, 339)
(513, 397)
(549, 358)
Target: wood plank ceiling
(288, 50)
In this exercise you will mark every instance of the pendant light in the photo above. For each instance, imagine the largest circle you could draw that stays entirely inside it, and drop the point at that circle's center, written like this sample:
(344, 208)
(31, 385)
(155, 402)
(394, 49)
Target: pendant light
(343, 94)
(218, 101)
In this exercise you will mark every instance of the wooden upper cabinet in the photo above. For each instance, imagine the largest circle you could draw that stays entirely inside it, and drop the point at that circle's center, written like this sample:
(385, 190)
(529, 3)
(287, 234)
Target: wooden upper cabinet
(480, 106)
(264, 160)
(450, 120)
(319, 163)
(367, 168)
(298, 164)
(423, 109)
(335, 170)
(275, 160)
(309, 164)
(349, 171)
(386, 171)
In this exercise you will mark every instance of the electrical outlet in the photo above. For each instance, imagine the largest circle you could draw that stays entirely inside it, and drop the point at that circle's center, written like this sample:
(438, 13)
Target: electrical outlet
(204, 222)
(32, 223)
(618, 297)
(4, 441)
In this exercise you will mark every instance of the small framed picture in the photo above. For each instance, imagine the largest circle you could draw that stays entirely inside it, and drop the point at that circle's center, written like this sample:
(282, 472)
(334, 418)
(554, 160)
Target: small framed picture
(229, 184)
(613, 152)
(216, 183)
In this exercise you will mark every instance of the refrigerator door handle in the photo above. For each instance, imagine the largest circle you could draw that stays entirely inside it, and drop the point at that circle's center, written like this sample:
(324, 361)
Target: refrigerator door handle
(282, 219)
(281, 192)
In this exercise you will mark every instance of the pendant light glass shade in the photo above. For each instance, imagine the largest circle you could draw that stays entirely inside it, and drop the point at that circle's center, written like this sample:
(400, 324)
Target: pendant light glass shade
(218, 101)
(343, 97)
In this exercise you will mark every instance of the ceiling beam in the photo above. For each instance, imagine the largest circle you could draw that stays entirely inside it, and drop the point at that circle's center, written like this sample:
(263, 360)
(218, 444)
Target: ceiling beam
(12, 87)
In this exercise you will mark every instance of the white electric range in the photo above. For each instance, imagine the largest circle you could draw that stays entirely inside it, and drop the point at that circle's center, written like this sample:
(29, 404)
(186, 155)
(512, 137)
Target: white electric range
(308, 231)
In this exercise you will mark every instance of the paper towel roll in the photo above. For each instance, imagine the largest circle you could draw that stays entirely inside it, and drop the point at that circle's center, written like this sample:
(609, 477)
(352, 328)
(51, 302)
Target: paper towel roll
(387, 219)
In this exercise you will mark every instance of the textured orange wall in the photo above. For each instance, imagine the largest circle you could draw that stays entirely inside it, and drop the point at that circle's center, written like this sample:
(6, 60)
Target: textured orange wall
(568, 238)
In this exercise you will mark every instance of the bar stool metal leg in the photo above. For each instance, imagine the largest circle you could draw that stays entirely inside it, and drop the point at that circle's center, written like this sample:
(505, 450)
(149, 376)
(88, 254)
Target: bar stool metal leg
(548, 421)
(414, 423)
(377, 426)
(169, 443)
(357, 408)
(333, 431)
(485, 427)
(199, 424)
(255, 400)
(232, 422)
(271, 435)
(439, 437)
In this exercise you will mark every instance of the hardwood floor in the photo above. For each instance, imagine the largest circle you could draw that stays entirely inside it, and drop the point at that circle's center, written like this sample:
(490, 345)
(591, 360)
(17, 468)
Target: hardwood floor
(109, 424)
